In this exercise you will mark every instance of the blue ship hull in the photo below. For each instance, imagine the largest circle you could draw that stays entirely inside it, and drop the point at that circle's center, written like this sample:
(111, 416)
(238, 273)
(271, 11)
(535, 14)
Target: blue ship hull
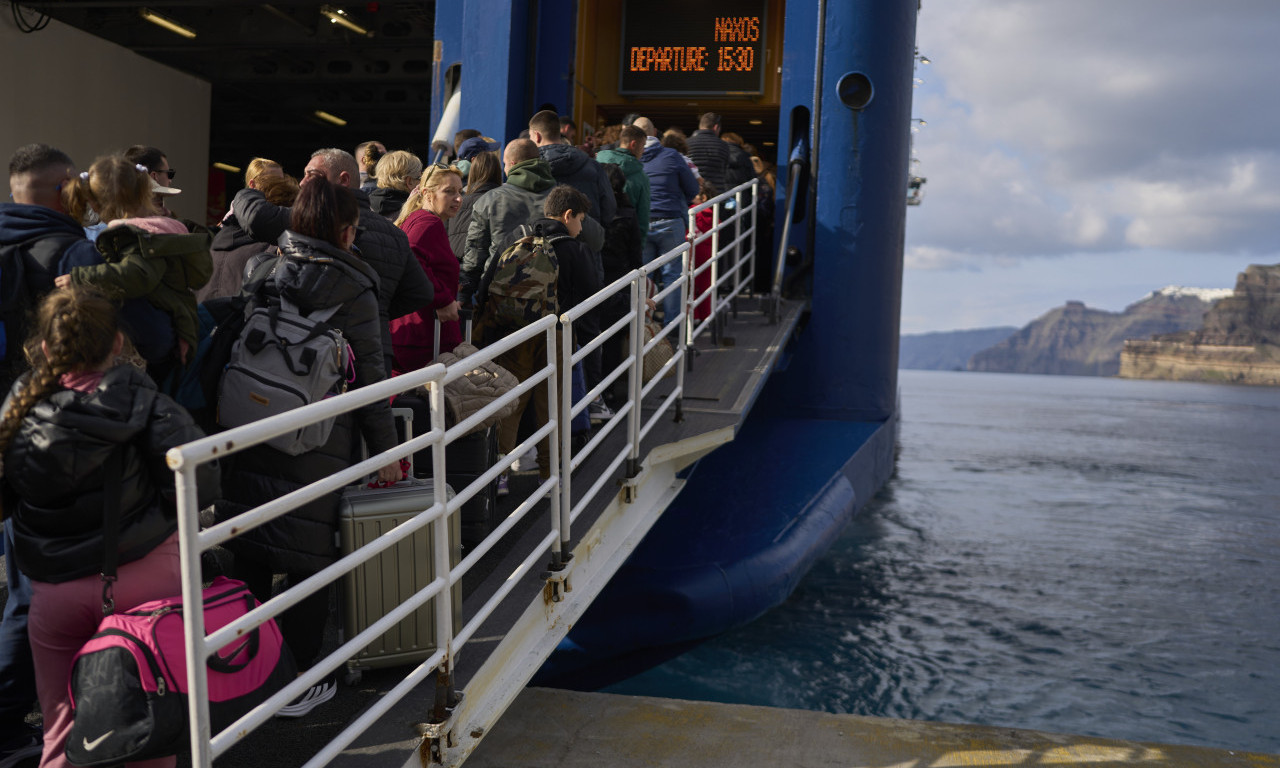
(756, 513)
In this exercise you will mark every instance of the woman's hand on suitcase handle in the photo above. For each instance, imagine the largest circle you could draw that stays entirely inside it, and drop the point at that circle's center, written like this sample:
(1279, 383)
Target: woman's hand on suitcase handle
(449, 312)
(390, 473)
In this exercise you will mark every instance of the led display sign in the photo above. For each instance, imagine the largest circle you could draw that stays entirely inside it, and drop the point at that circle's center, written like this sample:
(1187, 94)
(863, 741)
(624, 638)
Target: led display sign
(704, 47)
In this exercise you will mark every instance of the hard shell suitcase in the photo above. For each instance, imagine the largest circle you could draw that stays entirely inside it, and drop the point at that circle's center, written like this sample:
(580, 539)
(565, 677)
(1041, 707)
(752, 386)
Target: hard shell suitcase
(375, 588)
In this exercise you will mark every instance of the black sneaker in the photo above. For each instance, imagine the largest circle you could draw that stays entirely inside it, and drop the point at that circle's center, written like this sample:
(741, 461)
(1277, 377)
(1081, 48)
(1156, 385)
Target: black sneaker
(309, 700)
(26, 745)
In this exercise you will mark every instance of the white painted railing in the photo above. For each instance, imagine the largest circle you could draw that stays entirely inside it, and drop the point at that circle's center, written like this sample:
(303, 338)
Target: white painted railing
(628, 423)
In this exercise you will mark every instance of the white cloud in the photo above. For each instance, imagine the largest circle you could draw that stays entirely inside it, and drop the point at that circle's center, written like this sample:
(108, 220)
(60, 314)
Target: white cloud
(1061, 126)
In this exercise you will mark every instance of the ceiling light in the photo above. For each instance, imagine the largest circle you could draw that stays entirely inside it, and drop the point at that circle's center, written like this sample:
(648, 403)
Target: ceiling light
(167, 23)
(328, 118)
(339, 16)
(769, 144)
(226, 167)
(756, 122)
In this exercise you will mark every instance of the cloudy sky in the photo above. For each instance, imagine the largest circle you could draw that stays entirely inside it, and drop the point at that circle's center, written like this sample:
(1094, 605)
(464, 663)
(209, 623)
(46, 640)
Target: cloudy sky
(1089, 149)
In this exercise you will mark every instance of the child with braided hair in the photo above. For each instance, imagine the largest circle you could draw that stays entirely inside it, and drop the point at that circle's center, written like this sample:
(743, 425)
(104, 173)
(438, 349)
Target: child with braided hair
(146, 256)
(61, 423)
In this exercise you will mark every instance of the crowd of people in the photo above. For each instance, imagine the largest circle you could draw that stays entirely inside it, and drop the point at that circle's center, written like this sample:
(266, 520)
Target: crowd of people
(108, 300)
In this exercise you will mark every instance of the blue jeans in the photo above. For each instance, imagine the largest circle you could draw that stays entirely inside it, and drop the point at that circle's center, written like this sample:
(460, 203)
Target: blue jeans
(17, 671)
(665, 234)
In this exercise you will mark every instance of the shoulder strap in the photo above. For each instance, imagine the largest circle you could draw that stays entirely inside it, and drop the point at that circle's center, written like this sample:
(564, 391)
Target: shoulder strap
(111, 527)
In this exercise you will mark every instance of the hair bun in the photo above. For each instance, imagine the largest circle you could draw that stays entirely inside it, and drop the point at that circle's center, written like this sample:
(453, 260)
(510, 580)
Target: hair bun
(141, 168)
(84, 175)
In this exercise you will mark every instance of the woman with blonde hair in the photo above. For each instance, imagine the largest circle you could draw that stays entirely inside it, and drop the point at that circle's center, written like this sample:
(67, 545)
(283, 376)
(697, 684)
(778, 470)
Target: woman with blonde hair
(261, 168)
(434, 201)
(398, 173)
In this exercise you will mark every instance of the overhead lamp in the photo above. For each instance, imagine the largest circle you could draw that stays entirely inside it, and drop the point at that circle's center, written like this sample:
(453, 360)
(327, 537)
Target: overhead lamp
(756, 122)
(328, 118)
(769, 144)
(340, 17)
(167, 23)
(919, 120)
(226, 167)
(924, 60)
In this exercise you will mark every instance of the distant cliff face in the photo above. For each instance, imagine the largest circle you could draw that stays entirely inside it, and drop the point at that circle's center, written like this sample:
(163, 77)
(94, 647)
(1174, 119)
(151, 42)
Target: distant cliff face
(1239, 343)
(1079, 341)
(947, 350)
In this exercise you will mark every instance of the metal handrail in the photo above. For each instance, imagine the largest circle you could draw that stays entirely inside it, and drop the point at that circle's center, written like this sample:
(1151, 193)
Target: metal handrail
(561, 512)
(795, 169)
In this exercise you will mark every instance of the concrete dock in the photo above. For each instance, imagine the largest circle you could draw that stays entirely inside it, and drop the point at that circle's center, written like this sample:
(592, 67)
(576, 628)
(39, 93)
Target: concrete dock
(563, 729)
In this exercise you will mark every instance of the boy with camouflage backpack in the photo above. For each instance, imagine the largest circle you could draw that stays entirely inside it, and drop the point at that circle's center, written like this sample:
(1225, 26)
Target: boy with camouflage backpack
(546, 272)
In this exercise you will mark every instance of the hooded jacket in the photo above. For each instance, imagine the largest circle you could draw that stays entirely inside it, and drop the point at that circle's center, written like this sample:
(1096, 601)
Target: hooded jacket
(231, 251)
(637, 182)
(55, 474)
(572, 166)
(164, 269)
(387, 202)
(37, 244)
(498, 214)
(314, 275)
(402, 285)
(672, 185)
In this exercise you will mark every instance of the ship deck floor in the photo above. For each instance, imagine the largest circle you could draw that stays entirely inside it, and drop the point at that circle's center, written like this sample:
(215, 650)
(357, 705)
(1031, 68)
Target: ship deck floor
(724, 382)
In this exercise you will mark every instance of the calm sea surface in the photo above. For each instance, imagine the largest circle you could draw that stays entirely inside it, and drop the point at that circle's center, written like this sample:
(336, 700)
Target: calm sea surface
(1080, 555)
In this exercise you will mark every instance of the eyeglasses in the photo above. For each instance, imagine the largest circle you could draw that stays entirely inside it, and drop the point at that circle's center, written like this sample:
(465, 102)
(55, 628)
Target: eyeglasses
(431, 169)
(168, 172)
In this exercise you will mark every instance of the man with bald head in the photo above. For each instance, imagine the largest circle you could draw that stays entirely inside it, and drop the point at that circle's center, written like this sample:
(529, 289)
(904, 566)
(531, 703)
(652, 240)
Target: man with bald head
(498, 215)
(403, 286)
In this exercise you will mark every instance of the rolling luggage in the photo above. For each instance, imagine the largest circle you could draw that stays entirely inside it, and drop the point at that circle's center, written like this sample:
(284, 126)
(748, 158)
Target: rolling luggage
(375, 588)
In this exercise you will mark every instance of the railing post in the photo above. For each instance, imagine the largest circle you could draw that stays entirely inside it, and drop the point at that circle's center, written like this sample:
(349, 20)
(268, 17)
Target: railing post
(635, 374)
(566, 420)
(755, 232)
(441, 550)
(738, 234)
(683, 332)
(193, 619)
(713, 298)
(553, 458)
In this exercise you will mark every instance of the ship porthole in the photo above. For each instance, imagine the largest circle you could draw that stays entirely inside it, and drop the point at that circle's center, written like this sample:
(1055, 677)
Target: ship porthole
(855, 90)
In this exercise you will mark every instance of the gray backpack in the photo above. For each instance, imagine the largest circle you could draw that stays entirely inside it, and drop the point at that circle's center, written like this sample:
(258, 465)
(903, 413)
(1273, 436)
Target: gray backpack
(282, 360)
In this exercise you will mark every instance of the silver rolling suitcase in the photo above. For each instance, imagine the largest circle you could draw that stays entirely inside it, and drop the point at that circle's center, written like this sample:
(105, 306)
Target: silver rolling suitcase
(375, 588)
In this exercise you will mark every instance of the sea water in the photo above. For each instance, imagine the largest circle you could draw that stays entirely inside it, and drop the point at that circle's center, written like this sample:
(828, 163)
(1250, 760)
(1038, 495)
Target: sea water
(1079, 555)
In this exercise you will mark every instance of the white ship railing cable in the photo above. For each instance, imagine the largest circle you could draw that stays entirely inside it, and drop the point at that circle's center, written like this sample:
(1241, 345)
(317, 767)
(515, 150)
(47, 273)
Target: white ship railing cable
(557, 488)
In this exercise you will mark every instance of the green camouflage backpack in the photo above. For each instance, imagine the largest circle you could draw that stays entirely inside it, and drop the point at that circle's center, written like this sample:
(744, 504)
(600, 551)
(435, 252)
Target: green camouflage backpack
(523, 288)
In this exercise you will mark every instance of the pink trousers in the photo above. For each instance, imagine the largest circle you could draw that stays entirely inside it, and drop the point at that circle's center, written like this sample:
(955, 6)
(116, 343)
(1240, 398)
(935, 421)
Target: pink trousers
(64, 616)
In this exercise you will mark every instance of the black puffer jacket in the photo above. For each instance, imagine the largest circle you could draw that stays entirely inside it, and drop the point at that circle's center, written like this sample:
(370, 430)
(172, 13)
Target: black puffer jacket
(572, 166)
(231, 250)
(55, 474)
(387, 202)
(313, 275)
(403, 286)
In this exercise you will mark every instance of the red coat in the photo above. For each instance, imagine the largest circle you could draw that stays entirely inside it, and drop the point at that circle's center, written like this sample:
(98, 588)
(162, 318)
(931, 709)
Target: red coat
(703, 222)
(413, 336)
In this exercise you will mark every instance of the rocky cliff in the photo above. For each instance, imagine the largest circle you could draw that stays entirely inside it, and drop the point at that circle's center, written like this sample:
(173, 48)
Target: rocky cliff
(1239, 343)
(947, 350)
(1076, 340)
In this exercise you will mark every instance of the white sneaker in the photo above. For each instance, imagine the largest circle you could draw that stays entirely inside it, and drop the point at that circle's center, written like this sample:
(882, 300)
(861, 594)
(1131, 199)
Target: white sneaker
(528, 462)
(598, 410)
(310, 699)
